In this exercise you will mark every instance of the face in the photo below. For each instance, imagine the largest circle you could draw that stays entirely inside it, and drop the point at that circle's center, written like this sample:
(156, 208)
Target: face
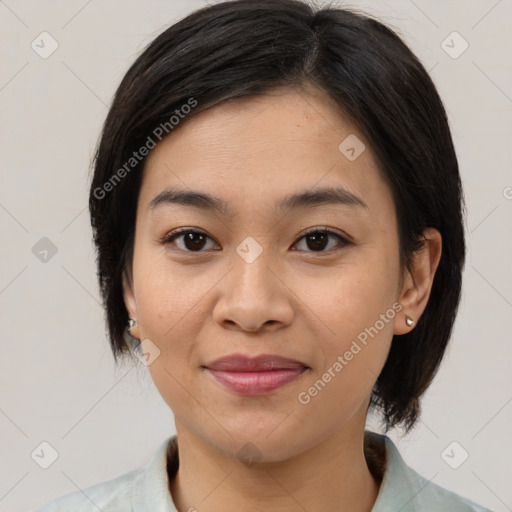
(315, 280)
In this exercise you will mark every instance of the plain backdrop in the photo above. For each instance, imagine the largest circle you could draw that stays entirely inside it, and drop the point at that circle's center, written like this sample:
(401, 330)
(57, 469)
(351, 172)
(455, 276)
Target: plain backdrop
(57, 377)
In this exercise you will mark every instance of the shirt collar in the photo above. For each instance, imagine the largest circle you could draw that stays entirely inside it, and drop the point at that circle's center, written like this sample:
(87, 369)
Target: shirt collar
(399, 487)
(151, 487)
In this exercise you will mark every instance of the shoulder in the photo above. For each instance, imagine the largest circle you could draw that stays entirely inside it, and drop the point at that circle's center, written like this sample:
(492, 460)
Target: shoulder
(404, 489)
(431, 496)
(140, 489)
(112, 495)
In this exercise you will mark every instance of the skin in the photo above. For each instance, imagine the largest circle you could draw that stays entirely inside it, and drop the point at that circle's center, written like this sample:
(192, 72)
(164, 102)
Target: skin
(295, 300)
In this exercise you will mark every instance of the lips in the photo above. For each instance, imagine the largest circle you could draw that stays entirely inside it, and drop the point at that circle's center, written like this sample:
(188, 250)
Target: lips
(255, 375)
(241, 363)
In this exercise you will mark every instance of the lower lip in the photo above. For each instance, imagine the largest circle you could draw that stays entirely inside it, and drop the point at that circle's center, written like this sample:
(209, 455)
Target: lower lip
(256, 383)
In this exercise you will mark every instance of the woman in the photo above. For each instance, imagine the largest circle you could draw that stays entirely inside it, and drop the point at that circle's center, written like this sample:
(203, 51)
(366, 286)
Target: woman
(277, 211)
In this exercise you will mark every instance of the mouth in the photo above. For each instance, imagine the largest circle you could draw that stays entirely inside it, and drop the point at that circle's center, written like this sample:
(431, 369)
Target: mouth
(255, 375)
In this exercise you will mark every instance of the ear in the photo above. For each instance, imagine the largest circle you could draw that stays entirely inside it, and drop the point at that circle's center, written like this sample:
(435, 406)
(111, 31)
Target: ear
(129, 301)
(418, 281)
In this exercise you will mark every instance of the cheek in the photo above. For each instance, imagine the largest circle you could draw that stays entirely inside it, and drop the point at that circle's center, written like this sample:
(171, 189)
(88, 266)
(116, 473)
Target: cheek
(354, 350)
(356, 308)
(354, 296)
(171, 310)
(167, 297)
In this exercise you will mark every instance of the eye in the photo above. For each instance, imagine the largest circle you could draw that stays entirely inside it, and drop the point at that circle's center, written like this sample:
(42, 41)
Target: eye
(318, 239)
(191, 239)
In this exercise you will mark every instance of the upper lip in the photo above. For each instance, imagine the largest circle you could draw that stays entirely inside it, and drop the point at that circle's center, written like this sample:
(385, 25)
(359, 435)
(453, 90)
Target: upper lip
(264, 362)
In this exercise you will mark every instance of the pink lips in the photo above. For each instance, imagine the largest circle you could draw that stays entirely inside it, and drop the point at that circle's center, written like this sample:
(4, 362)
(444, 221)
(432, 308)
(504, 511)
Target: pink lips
(255, 376)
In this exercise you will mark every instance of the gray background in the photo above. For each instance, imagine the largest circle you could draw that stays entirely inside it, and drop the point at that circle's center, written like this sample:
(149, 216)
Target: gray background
(58, 382)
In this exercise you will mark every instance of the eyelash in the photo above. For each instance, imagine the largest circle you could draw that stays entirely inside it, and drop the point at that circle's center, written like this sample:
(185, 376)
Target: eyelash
(170, 237)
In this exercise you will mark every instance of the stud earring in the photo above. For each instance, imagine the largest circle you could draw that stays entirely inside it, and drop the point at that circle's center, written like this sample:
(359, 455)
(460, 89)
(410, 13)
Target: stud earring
(409, 321)
(131, 324)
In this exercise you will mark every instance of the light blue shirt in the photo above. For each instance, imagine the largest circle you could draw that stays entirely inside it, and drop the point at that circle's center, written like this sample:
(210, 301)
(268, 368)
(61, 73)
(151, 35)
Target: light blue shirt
(147, 490)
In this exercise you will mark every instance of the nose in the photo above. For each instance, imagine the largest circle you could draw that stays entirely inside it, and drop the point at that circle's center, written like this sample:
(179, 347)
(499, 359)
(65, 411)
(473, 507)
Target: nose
(254, 296)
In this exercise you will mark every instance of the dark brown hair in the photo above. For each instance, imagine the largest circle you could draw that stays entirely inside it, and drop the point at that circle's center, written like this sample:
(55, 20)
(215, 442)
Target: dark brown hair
(244, 48)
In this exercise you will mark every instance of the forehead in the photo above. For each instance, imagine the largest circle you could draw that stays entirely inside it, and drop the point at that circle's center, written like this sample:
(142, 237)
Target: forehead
(263, 148)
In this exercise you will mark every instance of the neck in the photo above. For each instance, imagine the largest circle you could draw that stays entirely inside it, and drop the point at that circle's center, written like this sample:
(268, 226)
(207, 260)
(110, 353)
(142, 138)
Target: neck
(333, 475)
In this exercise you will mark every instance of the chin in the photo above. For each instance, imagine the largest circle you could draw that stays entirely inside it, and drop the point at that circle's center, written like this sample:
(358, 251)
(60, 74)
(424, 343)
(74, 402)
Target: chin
(272, 444)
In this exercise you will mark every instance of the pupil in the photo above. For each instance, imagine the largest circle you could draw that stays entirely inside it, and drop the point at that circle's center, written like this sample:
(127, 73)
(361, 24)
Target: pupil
(319, 241)
(194, 241)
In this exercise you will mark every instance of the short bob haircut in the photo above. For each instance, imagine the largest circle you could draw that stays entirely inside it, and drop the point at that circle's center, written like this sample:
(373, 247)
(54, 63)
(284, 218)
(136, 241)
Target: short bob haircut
(245, 48)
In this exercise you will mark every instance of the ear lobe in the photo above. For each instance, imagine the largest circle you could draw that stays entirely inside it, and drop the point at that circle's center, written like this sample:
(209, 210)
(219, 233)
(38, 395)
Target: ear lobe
(418, 281)
(128, 296)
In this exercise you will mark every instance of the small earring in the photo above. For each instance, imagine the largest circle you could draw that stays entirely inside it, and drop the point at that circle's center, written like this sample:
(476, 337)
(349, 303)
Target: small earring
(409, 321)
(131, 324)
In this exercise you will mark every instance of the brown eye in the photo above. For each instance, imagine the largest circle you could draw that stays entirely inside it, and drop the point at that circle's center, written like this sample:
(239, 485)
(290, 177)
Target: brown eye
(318, 240)
(194, 241)
(190, 240)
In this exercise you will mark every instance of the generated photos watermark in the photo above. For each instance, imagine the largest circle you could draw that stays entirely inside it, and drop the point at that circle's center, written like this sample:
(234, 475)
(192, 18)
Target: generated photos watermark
(158, 133)
(357, 345)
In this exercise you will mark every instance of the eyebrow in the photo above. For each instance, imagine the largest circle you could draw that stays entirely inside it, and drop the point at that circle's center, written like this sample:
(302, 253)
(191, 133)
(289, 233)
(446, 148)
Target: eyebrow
(308, 198)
